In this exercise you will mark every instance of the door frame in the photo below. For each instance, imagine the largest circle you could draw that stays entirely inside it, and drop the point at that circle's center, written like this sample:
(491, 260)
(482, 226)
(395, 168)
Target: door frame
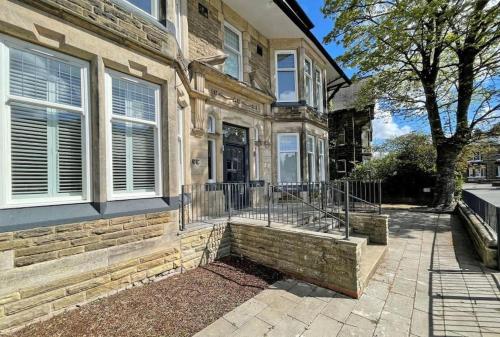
(246, 152)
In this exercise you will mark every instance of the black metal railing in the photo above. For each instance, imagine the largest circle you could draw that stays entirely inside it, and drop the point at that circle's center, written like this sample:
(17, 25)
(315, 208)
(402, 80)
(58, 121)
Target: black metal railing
(317, 206)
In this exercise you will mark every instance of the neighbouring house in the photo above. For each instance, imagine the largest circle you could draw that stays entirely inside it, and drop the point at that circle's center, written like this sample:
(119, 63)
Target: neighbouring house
(350, 131)
(484, 165)
(107, 108)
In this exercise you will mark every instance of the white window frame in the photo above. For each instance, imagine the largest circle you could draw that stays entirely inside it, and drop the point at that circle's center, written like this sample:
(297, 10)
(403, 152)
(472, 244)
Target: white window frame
(312, 175)
(213, 161)
(345, 166)
(155, 8)
(210, 124)
(310, 98)
(109, 148)
(178, 22)
(6, 199)
(240, 52)
(318, 85)
(257, 155)
(180, 147)
(498, 170)
(322, 161)
(297, 135)
(286, 52)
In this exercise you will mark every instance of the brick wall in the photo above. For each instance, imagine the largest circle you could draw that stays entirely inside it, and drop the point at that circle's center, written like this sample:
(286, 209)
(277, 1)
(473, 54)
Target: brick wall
(314, 257)
(49, 243)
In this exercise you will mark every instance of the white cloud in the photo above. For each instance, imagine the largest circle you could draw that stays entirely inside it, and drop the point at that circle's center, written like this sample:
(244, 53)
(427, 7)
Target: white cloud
(384, 127)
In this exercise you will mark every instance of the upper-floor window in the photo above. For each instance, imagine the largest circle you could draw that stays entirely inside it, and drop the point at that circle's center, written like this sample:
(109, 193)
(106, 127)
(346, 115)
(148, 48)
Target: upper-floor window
(232, 47)
(178, 22)
(341, 137)
(308, 82)
(286, 76)
(44, 126)
(152, 7)
(133, 132)
(318, 97)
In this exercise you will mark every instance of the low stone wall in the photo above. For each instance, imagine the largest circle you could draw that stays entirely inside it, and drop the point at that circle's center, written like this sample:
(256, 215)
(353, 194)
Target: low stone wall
(483, 240)
(202, 246)
(319, 258)
(375, 226)
(46, 270)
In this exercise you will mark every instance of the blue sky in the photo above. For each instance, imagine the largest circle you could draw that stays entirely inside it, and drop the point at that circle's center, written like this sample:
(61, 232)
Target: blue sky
(384, 126)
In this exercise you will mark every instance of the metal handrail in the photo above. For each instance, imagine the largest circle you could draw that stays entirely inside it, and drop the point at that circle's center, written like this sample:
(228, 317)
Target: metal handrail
(311, 205)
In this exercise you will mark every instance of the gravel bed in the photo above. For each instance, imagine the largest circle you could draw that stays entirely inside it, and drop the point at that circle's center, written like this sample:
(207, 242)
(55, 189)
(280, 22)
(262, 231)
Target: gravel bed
(180, 305)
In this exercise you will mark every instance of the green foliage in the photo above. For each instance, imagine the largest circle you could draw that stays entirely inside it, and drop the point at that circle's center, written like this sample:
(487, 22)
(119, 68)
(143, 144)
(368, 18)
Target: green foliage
(408, 155)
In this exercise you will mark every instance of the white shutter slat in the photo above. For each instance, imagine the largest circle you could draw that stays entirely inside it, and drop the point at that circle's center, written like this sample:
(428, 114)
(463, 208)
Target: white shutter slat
(29, 159)
(143, 157)
(39, 77)
(119, 156)
(69, 139)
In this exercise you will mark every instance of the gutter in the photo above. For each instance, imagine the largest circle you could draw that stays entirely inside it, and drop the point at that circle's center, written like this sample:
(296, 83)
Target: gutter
(295, 13)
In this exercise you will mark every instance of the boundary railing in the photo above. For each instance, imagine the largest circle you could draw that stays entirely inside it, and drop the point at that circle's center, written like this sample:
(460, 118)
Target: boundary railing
(302, 204)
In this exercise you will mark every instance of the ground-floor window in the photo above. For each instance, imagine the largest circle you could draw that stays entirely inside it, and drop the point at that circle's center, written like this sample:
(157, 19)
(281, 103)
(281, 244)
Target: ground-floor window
(211, 161)
(134, 136)
(257, 155)
(311, 158)
(180, 146)
(321, 154)
(44, 133)
(498, 170)
(288, 157)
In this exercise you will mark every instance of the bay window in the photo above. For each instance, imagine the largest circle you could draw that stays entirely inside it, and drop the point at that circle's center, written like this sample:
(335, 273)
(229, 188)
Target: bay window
(232, 48)
(318, 97)
(178, 22)
(321, 154)
(286, 76)
(308, 89)
(288, 157)
(44, 126)
(133, 136)
(311, 158)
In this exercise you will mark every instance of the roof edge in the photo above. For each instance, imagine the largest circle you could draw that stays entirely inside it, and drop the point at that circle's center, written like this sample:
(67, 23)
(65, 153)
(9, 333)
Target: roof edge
(295, 13)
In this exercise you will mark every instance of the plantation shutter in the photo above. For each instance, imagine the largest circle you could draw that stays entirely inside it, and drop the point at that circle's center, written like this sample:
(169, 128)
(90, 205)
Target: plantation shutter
(29, 150)
(133, 142)
(47, 157)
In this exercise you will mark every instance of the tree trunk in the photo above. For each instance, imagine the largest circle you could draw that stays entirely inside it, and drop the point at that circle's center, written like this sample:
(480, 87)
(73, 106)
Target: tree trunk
(447, 154)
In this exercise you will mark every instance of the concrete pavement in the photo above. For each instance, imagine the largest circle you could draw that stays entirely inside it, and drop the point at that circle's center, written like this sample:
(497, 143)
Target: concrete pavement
(430, 284)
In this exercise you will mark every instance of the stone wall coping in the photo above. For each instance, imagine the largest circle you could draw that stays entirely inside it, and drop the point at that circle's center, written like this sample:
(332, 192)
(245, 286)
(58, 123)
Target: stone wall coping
(353, 241)
(481, 229)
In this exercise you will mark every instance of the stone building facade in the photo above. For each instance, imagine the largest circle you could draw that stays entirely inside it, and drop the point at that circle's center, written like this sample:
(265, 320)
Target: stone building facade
(484, 165)
(108, 107)
(350, 131)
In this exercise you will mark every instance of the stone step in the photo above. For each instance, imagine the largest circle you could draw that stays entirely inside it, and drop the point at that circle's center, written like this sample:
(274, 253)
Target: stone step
(371, 256)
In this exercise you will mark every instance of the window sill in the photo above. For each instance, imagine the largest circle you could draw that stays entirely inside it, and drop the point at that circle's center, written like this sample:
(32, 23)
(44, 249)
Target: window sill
(15, 219)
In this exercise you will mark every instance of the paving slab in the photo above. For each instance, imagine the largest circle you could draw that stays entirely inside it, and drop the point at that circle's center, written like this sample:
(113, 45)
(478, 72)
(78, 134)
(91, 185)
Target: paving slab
(430, 283)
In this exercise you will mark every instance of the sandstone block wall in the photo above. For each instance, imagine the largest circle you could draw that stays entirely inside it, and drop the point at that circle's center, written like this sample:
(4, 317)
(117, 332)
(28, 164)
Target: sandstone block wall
(484, 242)
(315, 257)
(375, 226)
(109, 18)
(203, 246)
(49, 243)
